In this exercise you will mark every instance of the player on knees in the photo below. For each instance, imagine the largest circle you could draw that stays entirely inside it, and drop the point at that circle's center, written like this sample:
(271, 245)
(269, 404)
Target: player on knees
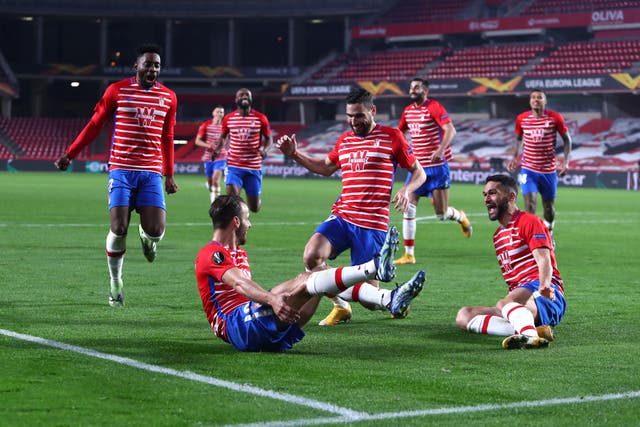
(251, 318)
(535, 301)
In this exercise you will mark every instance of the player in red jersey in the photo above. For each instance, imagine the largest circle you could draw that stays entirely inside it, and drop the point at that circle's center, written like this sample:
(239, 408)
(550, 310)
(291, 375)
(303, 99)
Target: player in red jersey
(249, 136)
(535, 300)
(144, 112)
(208, 134)
(366, 156)
(250, 318)
(536, 139)
(431, 132)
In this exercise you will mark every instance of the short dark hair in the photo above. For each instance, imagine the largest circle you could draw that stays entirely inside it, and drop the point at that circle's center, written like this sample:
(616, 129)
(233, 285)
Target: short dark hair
(358, 95)
(224, 208)
(147, 48)
(537, 90)
(505, 180)
(424, 82)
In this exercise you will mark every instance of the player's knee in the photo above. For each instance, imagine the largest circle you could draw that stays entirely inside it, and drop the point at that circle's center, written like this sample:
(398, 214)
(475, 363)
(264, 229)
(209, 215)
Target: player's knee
(463, 317)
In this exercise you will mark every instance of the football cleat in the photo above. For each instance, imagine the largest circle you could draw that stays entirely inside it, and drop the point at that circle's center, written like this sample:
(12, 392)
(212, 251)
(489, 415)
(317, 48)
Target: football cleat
(516, 342)
(400, 315)
(148, 246)
(385, 269)
(402, 296)
(337, 315)
(546, 332)
(118, 300)
(405, 259)
(465, 225)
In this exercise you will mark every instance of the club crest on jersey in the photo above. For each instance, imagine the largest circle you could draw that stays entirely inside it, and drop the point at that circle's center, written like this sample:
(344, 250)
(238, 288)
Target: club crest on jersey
(358, 160)
(145, 115)
(161, 101)
(217, 257)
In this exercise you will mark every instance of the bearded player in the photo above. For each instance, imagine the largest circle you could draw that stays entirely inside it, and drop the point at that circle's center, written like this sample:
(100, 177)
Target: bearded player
(431, 132)
(144, 112)
(367, 156)
(249, 136)
(535, 300)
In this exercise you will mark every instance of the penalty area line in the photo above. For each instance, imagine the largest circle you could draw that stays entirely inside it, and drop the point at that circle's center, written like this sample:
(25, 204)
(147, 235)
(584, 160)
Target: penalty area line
(446, 410)
(345, 413)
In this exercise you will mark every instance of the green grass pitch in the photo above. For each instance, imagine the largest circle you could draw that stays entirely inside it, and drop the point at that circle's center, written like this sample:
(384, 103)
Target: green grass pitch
(164, 367)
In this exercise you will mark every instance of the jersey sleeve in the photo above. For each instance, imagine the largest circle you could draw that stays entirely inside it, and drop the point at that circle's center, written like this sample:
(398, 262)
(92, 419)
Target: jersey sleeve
(561, 125)
(535, 233)
(439, 114)
(104, 109)
(519, 125)
(334, 154)
(265, 127)
(402, 125)
(215, 261)
(401, 150)
(167, 136)
(202, 130)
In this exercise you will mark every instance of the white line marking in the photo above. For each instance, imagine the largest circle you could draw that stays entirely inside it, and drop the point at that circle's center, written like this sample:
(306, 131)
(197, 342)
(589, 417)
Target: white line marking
(345, 413)
(447, 410)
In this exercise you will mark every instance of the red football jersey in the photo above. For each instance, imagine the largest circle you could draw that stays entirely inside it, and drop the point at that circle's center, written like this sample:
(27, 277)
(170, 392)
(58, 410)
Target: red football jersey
(210, 132)
(143, 132)
(245, 138)
(368, 167)
(424, 124)
(218, 298)
(539, 139)
(514, 244)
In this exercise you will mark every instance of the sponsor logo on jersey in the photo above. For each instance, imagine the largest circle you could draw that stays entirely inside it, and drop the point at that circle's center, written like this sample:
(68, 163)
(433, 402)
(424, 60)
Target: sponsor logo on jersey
(358, 160)
(145, 115)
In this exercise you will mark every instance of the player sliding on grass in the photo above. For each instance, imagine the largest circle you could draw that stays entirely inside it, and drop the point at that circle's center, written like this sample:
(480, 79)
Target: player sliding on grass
(251, 318)
(144, 112)
(535, 301)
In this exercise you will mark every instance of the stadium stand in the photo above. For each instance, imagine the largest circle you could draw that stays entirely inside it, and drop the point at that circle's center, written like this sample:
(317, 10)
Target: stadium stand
(546, 7)
(425, 11)
(590, 58)
(387, 65)
(44, 138)
(488, 61)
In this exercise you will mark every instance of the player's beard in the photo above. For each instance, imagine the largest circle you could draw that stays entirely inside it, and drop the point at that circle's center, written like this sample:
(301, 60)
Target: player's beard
(418, 98)
(243, 104)
(363, 129)
(500, 209)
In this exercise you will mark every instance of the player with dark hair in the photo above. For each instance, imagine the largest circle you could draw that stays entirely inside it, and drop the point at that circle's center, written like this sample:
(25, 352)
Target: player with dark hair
(367, 156)
(536, 140)
(144, 112)
(431, 133)
(251, 318)
(249, 136)
(535, 301)
(208, 134)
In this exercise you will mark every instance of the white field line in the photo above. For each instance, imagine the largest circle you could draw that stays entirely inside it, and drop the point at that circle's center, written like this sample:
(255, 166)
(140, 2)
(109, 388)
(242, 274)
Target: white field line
(344, 413)
(446, 410)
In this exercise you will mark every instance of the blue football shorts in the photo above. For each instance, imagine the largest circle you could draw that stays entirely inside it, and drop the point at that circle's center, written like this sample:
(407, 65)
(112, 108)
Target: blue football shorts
(536, 182)
(438, 178)
(249, 179)
(549, 312)
(364, 243)
(210, 166)
(253, 327)
(135, 189)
